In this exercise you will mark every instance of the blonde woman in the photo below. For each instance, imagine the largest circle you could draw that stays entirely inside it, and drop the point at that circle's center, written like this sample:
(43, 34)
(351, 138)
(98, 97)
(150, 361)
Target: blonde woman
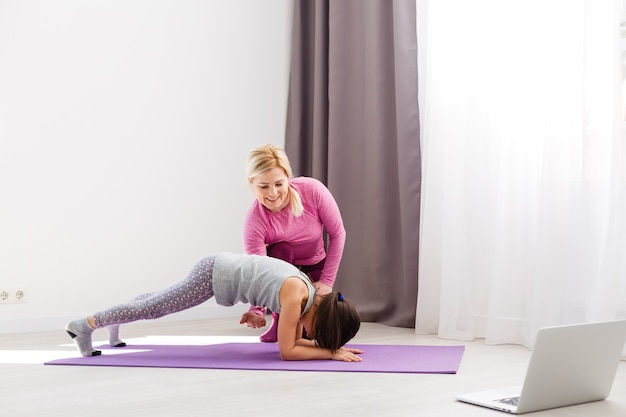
(287, 221)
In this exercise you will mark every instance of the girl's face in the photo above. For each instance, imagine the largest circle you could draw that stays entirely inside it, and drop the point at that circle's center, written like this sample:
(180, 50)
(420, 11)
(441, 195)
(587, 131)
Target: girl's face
(271, 189)
(308, 327)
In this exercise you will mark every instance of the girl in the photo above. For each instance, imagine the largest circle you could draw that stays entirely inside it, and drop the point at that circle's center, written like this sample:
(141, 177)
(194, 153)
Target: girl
(288, 220)
(330, 320)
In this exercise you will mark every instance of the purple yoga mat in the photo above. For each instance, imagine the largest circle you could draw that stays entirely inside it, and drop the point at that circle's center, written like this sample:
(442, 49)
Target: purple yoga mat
(264, 356)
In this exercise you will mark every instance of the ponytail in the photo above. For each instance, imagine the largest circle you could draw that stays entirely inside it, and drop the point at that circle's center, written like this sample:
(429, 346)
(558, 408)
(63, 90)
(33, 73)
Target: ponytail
(295, 202)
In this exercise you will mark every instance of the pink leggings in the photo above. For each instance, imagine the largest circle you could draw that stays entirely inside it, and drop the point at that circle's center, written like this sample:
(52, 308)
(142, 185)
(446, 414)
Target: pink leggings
(195, 289)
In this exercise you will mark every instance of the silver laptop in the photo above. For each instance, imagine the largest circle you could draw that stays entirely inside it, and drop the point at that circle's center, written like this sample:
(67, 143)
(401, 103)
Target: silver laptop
(571, 364)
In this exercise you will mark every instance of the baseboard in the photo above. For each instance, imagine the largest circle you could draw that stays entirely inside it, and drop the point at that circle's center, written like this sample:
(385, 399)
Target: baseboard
(43, 324)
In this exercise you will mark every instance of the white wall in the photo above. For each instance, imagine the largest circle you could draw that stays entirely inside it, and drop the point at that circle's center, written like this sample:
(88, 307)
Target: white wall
(124, 128)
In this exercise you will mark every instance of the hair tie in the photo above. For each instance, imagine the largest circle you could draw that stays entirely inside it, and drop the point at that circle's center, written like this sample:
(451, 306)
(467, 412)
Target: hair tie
(340, 296)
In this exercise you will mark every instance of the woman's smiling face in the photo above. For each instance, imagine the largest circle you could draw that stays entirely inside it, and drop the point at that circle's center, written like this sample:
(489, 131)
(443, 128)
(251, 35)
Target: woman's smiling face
(271, 188)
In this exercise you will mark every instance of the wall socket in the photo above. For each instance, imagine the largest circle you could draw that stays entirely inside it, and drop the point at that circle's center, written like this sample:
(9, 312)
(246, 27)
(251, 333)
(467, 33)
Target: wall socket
(13, 295)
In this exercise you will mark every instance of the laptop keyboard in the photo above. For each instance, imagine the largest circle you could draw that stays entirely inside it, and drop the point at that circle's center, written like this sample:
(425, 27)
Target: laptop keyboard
(509, 401)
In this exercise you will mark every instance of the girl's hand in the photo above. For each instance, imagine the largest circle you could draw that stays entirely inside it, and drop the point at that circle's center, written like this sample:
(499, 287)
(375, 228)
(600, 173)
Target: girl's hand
(252, 320)
(347, 355)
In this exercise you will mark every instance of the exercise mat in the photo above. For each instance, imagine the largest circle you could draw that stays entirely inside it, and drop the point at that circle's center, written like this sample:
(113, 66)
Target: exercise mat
(265, 356)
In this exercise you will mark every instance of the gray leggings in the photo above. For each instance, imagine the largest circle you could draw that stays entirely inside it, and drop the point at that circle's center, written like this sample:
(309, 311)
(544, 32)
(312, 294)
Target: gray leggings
(195, 289)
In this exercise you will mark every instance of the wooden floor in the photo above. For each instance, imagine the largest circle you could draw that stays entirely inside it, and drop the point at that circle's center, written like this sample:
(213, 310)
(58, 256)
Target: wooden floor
(28, 388)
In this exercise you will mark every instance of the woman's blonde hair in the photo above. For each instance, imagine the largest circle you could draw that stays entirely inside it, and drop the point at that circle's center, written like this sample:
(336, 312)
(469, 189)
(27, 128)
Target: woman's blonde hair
(267, 157)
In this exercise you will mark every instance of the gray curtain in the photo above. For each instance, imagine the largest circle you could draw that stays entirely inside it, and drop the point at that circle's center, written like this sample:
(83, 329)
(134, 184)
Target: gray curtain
(353, 123)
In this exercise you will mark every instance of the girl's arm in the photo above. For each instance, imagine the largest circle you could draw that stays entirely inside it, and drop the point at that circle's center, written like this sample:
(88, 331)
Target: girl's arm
(305, 342)
(290, 343)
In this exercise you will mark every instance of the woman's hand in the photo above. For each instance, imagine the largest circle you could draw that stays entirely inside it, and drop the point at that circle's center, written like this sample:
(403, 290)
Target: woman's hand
(347, 355)
(252, 320)
(322, 289)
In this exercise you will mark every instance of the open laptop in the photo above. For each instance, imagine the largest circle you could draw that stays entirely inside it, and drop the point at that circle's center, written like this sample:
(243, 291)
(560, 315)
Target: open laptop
(571, 364)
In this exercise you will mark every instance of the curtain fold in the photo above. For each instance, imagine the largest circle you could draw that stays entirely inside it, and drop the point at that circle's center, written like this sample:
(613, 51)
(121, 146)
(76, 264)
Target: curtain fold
(353, 123)
(524, 216)
(307, 104)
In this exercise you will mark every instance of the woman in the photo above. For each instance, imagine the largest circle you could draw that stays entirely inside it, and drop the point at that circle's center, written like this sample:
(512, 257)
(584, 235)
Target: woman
(330, 319)
(288, 220)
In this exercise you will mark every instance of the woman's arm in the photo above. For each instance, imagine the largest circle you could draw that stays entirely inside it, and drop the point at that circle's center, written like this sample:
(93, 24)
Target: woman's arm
(254, 232)
(330, 217)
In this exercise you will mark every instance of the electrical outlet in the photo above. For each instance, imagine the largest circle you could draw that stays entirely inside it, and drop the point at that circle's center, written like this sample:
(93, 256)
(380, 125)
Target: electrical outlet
(13, 296)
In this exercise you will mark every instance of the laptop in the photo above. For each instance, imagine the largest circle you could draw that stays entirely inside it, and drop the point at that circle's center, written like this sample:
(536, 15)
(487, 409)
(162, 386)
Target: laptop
(571, 364)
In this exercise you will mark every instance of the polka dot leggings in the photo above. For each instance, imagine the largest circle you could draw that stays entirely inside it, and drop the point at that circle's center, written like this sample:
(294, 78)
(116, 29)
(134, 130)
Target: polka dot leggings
(195, 289)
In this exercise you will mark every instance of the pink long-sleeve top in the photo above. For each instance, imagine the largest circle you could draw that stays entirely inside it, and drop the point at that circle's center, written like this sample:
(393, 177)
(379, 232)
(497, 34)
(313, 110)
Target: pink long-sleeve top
(305, 233)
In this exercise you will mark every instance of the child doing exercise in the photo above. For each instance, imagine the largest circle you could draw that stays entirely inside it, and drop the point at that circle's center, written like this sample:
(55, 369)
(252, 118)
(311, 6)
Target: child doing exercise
(329, 320)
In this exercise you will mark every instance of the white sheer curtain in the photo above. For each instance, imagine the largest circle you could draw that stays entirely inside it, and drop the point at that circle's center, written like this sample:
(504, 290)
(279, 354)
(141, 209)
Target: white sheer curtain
(524, 167)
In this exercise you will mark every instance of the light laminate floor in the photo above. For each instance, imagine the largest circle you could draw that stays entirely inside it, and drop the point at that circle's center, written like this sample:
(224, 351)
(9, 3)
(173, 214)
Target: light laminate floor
(28, 388)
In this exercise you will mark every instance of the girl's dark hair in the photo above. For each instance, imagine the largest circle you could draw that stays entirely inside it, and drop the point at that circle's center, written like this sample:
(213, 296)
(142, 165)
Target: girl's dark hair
(336, 321)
